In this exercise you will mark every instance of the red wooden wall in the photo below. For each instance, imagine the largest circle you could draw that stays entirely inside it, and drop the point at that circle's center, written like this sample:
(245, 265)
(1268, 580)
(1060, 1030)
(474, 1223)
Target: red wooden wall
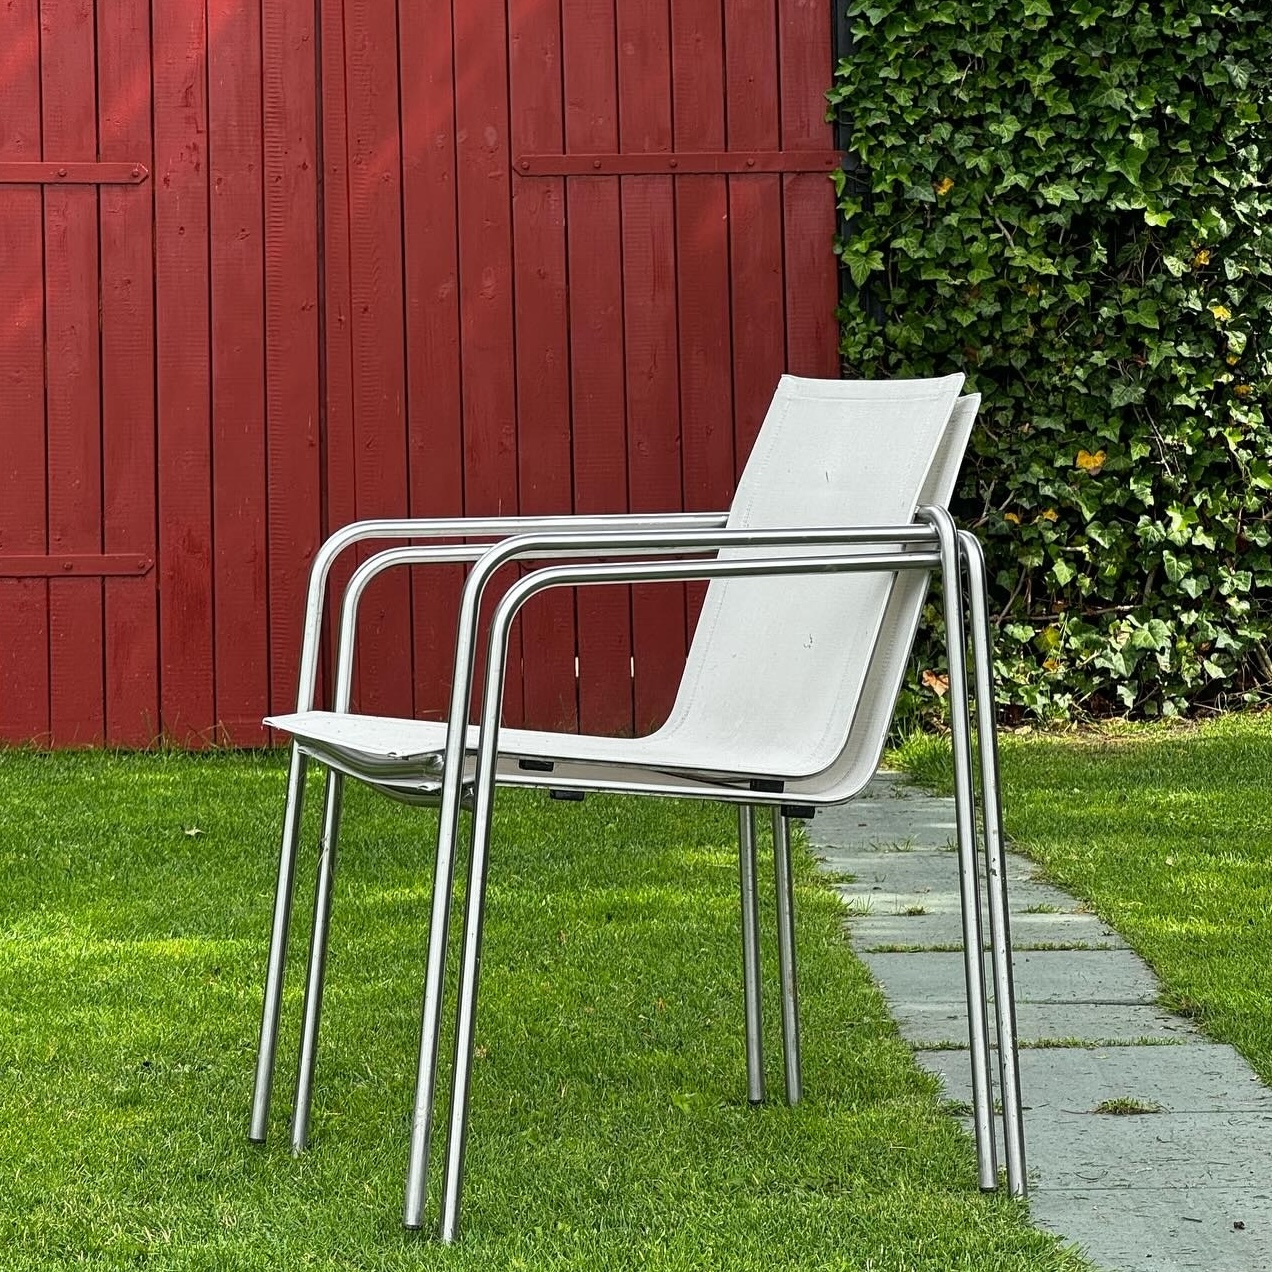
(268, 267)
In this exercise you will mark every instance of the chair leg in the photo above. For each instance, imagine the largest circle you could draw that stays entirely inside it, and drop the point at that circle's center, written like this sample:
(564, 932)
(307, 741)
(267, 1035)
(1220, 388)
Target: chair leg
(751, 955)
(999, 921)
(275, 970)
(466, 1013)
(965, 820)
(786, 956)
(317, 961)
(416, 1195)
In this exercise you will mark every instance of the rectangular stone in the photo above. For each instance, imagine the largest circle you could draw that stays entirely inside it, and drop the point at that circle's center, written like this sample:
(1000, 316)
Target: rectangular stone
(1116, 977)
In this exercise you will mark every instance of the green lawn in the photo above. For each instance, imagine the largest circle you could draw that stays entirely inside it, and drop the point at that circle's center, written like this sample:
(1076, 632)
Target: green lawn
(610, 1128)
(1167, 833)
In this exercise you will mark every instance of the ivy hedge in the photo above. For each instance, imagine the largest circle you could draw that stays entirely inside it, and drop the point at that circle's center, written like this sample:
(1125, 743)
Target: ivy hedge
(1072, 204)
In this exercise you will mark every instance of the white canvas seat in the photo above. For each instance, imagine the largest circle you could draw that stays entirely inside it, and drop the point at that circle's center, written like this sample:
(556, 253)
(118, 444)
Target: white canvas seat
(786, 699)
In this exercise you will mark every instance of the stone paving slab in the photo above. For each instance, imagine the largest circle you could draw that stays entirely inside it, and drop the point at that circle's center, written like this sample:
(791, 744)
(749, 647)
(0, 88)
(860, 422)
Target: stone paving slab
(1105, 977)
(1189, 1187)
(876, 898)
(1184, 1230)
(880, 928)
(926, 1024)
(1203, 1078)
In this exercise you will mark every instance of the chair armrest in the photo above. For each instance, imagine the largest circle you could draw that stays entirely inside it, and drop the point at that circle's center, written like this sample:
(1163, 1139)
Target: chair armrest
(601, 542)
(447, 528)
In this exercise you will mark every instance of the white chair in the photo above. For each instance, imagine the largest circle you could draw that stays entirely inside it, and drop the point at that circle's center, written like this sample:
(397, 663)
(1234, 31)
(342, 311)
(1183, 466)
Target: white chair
(816, 595)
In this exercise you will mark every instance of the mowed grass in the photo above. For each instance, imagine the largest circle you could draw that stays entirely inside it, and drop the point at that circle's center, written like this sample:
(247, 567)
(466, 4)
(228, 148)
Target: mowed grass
(1167, 833)
(610, 1127)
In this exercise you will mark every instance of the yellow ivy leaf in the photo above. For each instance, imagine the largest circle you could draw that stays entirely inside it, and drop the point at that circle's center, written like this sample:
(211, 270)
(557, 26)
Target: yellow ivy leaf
(1232, 359)
(1202, 258)
(940, 685)
(1243, 390)
(1049, 515)
(1013, 517)
(1049, 637)
(1221, 312)
(1051, 664)
(1090, 463)
(944, 185)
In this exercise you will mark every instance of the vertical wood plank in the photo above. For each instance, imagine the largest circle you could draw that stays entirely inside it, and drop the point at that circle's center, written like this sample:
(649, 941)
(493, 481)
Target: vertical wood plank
(128, 374)
(338, 496)
(434, 399)
(379, 377)
(702, 209)
(598, 388)
(485, 279)
(183, 372)
(755, 218)
(812, 333)
(542, 342)
(650, 328)
(236, 232)
(292, 462)
(24, 633)
(73, 373)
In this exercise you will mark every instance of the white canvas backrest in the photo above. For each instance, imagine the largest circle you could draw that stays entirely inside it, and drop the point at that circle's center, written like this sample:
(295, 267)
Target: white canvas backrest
(777, 665)
(860, 758)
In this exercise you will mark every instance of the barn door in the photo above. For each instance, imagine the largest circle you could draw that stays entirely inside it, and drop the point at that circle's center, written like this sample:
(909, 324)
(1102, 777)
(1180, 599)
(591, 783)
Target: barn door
(566, 277)
(672, 223)
(77, 529)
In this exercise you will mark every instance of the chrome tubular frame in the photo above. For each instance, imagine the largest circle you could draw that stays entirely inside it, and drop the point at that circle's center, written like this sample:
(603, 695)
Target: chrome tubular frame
(965, 819)
(484, 781)
(996, 883)
(614, 536)
(307, 683)
(751, 975)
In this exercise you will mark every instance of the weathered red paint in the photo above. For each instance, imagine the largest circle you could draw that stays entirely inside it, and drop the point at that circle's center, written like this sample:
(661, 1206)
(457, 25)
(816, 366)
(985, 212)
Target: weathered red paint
(290, 266)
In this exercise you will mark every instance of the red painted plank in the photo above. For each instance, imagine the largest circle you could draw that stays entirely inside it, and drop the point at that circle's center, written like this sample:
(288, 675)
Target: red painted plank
(483, 178)
(755, 218)
(339, 495)
(434, 401)
(73, 374)
(379, 388)
(598, 390)
(128, 367)
(291, 332)
(183, 373)
(543, 355)
(650, 327)
(238, 370)
(812, 333)
(702, 211)
(24, 667)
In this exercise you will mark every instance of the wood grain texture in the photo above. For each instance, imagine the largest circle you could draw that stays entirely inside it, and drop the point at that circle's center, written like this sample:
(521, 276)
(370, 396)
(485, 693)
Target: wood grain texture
(543, 353)
(24, 616)
(183, 374)
(812, 334)
(128, 376)
(435, 402)
(292, 468)
(237, 275)
(598, 370)
(379, 372)
(651, 336)
(72, 374)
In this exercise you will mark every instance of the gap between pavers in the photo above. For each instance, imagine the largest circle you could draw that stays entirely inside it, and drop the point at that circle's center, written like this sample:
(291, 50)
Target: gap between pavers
(1189, 1187)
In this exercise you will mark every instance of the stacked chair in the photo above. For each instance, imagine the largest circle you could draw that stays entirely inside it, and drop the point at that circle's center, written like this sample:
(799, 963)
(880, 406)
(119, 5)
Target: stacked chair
(818, 575)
